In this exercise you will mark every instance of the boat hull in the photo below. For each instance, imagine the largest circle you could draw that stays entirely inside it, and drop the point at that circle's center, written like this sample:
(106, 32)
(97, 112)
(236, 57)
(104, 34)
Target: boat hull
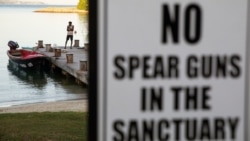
(27, 59)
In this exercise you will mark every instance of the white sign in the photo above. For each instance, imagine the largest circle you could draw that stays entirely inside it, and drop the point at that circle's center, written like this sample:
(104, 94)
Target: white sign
(172, 70)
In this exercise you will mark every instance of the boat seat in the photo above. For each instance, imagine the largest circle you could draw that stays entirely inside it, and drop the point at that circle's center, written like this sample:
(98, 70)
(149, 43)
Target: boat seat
(15, 53)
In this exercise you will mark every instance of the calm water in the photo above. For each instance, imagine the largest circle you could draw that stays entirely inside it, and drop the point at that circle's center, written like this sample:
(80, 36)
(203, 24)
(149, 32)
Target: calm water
(21, 24)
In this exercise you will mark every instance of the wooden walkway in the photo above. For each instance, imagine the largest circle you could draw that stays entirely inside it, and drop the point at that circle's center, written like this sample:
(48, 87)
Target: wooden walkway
(70, 68)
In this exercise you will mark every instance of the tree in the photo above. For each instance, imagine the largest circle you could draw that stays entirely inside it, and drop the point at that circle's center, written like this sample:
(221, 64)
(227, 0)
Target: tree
(83, 5)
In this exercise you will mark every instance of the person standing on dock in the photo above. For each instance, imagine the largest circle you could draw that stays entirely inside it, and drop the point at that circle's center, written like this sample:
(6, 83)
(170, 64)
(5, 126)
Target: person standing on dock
(70, 32)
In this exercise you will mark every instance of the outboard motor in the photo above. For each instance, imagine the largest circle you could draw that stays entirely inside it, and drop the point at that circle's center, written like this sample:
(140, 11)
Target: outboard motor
(13, 45)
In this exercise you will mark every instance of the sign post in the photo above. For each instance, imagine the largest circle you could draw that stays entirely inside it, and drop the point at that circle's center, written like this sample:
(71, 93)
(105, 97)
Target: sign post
(168, 70)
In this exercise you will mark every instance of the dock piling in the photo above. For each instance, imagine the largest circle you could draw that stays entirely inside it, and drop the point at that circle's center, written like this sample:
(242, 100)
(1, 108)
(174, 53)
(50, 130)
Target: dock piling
(83, 65)
(76, 43)
(69, 58)
(86, 46)
(48, 47)
(40, 44)
(57, 52)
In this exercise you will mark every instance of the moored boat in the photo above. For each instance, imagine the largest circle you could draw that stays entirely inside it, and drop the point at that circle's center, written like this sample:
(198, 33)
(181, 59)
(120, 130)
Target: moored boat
(26, 59)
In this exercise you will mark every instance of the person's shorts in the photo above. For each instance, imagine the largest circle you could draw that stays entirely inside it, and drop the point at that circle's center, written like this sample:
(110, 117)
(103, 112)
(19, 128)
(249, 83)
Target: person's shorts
(69, 37)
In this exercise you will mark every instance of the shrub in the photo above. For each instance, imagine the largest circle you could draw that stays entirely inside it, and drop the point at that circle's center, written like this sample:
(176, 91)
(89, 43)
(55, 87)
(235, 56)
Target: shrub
(83, 5)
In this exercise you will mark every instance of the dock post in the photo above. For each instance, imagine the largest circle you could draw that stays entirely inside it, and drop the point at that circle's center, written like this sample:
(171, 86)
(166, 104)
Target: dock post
(48, 47)
(40, 44)
(57, 52)
(76, 43)
(86, 46)
(69, 58)
(83, 65)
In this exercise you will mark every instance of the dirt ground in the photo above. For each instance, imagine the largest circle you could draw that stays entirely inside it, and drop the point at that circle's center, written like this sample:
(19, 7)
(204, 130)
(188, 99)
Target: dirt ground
(59, 106)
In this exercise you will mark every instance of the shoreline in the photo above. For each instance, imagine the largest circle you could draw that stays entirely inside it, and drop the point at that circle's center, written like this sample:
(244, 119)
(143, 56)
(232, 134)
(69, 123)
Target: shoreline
(61, 10)
(57, 106)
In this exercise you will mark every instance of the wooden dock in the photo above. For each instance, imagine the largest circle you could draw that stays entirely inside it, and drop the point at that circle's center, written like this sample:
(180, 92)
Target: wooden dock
(73, 69)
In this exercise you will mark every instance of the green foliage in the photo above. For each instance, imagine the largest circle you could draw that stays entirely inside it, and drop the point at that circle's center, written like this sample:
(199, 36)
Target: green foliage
(83, 5)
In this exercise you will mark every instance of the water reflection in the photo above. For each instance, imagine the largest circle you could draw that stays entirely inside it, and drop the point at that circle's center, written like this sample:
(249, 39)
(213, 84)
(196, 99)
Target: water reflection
(31, 77)
(67, 83)
(46, 75)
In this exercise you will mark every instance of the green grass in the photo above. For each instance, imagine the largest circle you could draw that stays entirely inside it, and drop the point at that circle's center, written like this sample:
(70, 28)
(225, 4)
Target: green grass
(46, 126)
